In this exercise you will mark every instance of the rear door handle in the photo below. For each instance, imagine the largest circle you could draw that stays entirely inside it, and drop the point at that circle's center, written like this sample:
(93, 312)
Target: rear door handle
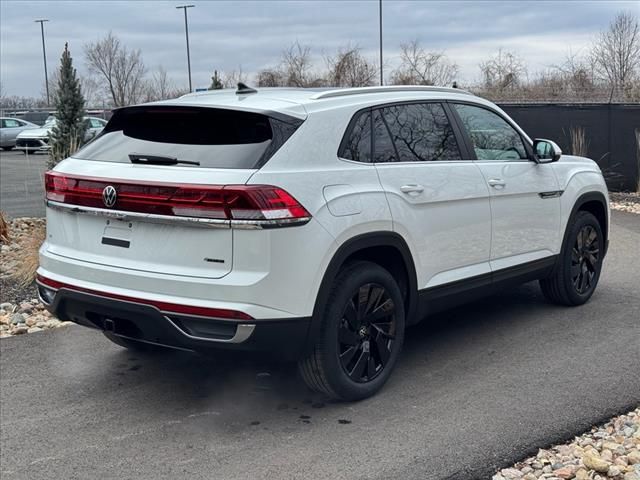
(411, 189)
(496, 182)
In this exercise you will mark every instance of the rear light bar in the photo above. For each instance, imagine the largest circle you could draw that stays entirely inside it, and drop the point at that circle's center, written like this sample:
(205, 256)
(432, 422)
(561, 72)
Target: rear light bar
(164, 307)
(240, 204)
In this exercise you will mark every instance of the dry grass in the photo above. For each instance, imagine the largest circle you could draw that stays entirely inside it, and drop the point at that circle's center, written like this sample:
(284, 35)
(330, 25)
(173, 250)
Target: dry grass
(26, 271)
(5, 235)
(579, 142)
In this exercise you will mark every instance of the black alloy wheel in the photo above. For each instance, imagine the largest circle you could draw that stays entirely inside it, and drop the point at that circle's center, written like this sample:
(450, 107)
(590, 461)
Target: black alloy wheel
(366, 333)
(361, 334)
(585, 259)
(577, 271)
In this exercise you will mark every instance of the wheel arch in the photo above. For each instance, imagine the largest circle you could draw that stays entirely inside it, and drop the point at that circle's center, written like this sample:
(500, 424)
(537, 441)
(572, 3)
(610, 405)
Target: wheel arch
(387, 249)
(596, 204)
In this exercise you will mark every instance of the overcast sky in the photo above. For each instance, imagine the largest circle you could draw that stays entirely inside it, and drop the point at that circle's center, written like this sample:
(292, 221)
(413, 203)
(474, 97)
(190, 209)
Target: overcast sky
(226, 35)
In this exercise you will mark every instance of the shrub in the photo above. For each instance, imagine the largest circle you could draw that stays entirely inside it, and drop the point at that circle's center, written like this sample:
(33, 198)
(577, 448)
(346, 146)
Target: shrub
(26, 272)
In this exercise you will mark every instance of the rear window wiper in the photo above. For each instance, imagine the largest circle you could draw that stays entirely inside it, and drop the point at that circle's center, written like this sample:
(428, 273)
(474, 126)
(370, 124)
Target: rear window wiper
(145, 159)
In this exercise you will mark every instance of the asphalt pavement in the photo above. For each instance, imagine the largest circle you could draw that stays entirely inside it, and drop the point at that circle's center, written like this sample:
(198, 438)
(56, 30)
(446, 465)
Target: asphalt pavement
(477, 388)
(22, 183)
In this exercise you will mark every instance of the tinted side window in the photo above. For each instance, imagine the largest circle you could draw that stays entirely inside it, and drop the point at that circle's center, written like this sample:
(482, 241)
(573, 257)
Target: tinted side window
(11, 123)
(492, 136)
(358, 145)
(421, 132)
(383, 149)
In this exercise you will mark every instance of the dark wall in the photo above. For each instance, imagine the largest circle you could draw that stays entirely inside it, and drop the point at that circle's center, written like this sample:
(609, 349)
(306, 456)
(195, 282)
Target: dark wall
(610, 131)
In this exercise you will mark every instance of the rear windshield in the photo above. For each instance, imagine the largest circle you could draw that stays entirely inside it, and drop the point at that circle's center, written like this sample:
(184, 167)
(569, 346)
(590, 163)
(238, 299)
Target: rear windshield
(212, 137)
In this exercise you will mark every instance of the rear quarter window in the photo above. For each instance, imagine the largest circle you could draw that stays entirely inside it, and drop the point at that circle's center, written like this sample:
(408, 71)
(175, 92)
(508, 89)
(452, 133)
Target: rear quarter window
(215, 138)
(421, 132)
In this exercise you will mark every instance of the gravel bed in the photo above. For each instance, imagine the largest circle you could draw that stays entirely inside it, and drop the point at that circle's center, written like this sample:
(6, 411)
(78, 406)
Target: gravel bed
(610, 451)
(20, 310)
(26, 317)
(626, 202)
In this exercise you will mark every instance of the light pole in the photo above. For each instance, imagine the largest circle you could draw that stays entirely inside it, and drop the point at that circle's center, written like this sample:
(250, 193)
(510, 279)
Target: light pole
(380, 17)
(44, 56)
(186, 33)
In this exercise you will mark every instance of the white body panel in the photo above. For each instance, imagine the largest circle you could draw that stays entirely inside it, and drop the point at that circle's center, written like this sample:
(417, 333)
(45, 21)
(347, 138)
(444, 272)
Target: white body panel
(577, 176)
(525, 226)
(457, 227)
(446, 217)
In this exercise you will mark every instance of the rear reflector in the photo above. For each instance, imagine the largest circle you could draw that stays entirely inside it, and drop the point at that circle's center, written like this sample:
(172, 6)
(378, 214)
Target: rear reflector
(162, 306)
(259, 203)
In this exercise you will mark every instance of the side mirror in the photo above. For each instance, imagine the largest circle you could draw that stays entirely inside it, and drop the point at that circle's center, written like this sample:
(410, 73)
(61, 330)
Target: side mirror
(546, 151)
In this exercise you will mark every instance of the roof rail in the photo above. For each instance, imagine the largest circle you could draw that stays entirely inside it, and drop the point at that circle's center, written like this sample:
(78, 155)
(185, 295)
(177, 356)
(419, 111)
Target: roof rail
(342, 92)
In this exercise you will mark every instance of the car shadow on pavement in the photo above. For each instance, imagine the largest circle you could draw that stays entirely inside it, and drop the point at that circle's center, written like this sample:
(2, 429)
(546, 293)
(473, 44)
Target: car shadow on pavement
(249, 386)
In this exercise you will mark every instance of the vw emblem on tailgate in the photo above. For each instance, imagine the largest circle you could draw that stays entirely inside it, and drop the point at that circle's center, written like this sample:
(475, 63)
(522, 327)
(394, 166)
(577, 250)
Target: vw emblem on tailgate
(109, 196)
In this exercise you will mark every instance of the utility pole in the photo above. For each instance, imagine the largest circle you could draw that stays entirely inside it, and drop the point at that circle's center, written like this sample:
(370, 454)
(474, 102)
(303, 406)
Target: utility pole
(380, 17)
(44, 56)
(186, 33)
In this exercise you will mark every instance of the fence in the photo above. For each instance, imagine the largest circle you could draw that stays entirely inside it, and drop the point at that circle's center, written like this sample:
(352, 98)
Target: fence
(607, 133)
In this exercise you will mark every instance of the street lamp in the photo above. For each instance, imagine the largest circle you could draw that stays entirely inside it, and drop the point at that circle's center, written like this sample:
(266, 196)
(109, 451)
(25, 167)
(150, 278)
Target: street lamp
(44, 56)
(380, 17)
(186, 33)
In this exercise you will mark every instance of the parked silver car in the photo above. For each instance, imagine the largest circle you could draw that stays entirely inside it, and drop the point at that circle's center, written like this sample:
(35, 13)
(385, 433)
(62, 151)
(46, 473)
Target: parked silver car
(9, 130)
(38, 140)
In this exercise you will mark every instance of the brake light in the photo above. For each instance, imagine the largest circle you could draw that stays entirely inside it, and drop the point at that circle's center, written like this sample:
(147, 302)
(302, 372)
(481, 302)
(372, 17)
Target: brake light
(236, 203)
(165, 307)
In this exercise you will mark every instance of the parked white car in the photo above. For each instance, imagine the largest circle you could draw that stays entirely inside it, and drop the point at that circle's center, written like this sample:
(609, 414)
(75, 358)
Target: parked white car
(316, 225)
(9, 130)
(37, 140)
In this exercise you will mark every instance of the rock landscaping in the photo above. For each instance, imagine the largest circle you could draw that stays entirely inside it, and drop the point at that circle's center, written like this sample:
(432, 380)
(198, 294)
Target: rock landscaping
(611, 451)
(626, 202)
(20, 310)
(26, 317)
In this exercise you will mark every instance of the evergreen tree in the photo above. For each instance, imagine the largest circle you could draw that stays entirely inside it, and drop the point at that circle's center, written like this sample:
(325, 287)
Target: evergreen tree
(68, 133)
(216, 83)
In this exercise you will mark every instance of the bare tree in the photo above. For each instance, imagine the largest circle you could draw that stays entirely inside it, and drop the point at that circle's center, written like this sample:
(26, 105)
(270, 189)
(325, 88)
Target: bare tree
(232, 78)
(123, 70)
(421, 67)
(349, 68)
(579, 72)
(159, 86)
(295, 70)
(504, 71)
(271, 77)
(14, 102)
(91, 91)
(616, 53)
(297, 67)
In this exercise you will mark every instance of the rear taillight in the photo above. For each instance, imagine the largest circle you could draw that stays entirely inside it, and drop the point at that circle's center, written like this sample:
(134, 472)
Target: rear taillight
(239, 204)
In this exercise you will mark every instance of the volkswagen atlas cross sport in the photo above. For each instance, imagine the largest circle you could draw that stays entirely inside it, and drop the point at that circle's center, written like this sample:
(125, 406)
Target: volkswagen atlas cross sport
(313, 224)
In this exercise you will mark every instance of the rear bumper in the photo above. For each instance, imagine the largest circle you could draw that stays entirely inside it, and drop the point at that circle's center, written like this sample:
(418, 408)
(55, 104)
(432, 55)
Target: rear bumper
(282, 338)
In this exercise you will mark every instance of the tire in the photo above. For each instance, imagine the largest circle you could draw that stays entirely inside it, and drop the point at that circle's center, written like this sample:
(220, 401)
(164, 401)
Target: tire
(132, 344)
(354, 356)
(576, 274)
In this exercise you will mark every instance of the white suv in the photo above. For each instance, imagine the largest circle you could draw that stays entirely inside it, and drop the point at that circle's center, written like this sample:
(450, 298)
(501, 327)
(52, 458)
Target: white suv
(315, 224)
